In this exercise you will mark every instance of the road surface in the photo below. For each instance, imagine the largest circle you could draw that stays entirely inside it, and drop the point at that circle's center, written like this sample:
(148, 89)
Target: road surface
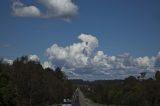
(79, 99)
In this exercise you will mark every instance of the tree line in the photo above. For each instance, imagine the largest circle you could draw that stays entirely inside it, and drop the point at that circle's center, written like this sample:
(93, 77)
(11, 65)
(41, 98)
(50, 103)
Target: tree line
(27, 83)
(131, 91)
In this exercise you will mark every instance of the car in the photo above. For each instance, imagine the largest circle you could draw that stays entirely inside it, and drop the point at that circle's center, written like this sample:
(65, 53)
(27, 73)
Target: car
(66, 102)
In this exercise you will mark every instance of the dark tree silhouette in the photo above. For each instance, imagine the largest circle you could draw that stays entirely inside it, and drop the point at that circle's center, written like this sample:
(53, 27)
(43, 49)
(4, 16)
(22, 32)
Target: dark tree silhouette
(33, 85)
(157, 76)
(143, 74)
(7, 94)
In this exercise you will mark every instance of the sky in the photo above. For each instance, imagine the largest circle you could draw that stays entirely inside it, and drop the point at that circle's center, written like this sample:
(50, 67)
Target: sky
(89, 39)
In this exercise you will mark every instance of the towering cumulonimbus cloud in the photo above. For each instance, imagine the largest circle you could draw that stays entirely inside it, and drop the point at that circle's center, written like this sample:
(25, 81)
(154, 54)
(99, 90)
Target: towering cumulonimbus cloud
(56, 9)
(81, 60)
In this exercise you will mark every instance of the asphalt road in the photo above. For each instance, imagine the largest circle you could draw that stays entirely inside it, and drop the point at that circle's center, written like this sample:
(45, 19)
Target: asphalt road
(78, 99)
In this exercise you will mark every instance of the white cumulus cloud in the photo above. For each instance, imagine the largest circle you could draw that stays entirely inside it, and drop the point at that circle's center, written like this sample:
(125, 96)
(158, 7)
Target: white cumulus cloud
(157, 62)
(47, 64)
(76, 55)
(19, 9)
(59, 9)
(143, 61)
(8, 61)
(82, 60)
(33, 58)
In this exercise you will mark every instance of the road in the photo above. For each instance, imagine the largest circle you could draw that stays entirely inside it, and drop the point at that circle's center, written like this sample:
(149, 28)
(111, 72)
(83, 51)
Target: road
(79, 99)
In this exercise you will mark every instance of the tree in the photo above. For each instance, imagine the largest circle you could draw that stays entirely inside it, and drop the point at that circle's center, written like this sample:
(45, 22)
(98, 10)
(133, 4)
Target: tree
(7, 94)
(157, 76)
(143, 74)
(38, 86)
(130, 79)
(59, 74)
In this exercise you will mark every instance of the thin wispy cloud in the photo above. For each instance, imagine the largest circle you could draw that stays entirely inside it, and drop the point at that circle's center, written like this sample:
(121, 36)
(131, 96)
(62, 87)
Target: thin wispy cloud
(7, 47)
(54, 9)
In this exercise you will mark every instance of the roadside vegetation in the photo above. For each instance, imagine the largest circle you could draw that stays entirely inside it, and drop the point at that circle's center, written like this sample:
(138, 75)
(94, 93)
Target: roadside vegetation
(27, 83)
(131, 91)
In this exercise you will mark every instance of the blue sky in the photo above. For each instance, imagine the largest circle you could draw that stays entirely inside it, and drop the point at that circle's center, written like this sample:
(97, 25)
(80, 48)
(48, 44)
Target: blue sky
(121, 26)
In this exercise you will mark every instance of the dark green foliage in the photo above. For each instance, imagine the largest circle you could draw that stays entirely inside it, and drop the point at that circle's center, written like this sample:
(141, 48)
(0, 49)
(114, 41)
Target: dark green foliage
(32, 85)
(7, 94)
(60, 74)
(132, 92)
(143, 74)
(26, 83)
(157, 76)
